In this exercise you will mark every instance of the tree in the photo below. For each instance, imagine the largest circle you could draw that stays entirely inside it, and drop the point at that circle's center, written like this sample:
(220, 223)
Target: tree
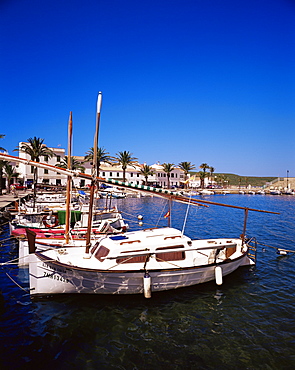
(125, 159)
(203, 174)
(146, 171)
(1, 137)
(2, 163)
(10, 173)
(75, 164)
(102, 157)
(211, 170)
(35, 149)
(222, 179)
(2, 166)
(186, 168)
(168, 168)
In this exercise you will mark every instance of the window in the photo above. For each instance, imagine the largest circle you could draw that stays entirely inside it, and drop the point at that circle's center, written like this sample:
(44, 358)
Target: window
(176, 175)
(137, 259)
(138, 175)
(45, 158)
(131, 174)
(58, 158)
(45, 171)
(170, 256)
(172, 174)
(118, 174)
(32, 169)
(101, 252)
(103, 174)
(111, 174)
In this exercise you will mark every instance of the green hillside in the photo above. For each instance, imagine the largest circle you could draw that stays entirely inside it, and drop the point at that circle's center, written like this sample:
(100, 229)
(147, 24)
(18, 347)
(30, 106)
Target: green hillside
(243, 180)
(247, 180)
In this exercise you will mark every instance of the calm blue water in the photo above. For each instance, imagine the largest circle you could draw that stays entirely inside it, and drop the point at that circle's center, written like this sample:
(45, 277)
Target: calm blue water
(247, 323)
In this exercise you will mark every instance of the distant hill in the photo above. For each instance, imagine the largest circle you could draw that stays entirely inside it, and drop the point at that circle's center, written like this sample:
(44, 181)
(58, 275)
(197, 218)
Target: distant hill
(243, 180)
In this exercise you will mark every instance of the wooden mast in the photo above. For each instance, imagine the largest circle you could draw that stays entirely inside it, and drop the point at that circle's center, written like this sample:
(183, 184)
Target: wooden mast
(94, 173)
(69, 180)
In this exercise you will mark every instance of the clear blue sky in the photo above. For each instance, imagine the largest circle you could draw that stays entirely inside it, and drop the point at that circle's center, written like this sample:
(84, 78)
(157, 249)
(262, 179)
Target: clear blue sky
(182, 80)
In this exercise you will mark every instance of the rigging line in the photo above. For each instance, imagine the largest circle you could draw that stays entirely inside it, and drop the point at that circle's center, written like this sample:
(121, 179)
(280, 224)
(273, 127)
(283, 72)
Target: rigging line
(164, 204)
(173, 264)
(27, 291)
(186, 214)
(120, 263)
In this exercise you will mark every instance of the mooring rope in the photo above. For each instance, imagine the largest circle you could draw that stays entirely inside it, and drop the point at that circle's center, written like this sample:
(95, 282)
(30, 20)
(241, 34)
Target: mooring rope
(27, 291)
(5, 223)
(11, 262)
(5, 240)
(277, 248)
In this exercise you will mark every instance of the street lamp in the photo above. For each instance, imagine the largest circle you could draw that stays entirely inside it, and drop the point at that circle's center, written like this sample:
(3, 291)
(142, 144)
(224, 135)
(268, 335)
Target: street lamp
(287, 179)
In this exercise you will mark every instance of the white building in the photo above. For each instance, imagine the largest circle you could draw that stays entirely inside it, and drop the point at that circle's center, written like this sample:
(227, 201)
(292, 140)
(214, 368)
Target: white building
(44, 176)
(107, 171)
(134, 176)
(194, 182)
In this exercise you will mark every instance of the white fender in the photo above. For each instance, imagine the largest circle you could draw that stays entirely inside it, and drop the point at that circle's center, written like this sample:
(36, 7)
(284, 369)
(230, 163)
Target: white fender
(147, 285)
(218, 275)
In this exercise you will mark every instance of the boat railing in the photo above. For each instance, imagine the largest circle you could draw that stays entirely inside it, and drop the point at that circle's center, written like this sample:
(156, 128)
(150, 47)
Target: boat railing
(181, 249)
(252, 249)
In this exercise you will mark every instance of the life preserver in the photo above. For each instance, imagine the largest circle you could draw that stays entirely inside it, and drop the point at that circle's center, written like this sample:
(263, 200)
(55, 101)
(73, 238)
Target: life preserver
(46, 224)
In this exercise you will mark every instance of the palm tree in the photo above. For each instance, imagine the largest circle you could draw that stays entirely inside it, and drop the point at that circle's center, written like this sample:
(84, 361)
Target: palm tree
(168, 168)
(10, 173)
(1, 137)
(125, 159)
(146, 171)
(2, 166)
(102, 157)
(35, 149)
(2, 163)
(221, 179)
(203, 174)
(211, 170)
(75, 164)
(186, 168)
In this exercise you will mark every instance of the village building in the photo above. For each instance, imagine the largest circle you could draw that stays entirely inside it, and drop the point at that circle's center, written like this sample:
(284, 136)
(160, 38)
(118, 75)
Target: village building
(106, 171)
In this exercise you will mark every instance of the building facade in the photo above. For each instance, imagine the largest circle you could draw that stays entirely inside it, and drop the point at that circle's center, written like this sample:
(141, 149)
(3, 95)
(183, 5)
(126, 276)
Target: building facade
(133, 173)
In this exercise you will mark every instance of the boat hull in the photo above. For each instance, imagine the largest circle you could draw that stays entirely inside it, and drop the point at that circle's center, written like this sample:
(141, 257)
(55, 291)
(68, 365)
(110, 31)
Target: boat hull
(49, 277)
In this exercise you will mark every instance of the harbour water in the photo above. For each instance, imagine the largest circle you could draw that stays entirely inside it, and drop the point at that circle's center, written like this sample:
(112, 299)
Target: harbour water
(247, 323)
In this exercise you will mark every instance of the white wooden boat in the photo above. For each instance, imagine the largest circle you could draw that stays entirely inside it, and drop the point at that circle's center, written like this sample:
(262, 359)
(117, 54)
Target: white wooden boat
(44, 222)
(136, 262)
(275, 192)
(206, 192)
(260, 192)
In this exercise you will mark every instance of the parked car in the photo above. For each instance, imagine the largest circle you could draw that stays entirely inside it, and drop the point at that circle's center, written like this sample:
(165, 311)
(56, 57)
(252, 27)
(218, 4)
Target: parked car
(19, 187)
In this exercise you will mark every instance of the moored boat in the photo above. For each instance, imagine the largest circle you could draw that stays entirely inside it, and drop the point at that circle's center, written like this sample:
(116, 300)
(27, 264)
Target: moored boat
(120, 264)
